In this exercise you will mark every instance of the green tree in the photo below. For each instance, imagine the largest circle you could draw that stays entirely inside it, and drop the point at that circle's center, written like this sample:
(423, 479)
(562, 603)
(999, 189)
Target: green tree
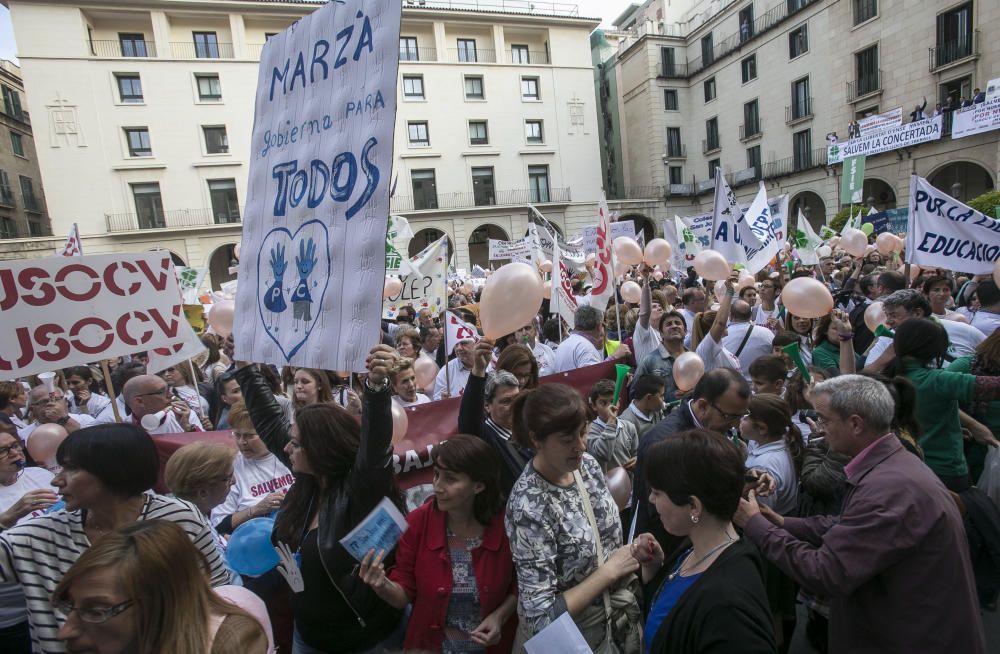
(986, 202)
(837, 223)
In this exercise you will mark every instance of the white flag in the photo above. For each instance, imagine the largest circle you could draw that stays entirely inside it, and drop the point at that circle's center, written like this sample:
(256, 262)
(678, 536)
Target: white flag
(805, 241)
(603, 271)
(761, 222)
(458, 330)
(731, 236)
(73, 246)
(562, 301)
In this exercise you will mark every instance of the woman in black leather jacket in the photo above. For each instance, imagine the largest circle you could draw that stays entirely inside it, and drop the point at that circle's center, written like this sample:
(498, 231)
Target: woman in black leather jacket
(342, 471)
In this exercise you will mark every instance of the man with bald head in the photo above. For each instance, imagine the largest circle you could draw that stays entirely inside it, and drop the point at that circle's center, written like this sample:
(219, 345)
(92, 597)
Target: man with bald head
(51, 408)
(148, 395)
(745, 339)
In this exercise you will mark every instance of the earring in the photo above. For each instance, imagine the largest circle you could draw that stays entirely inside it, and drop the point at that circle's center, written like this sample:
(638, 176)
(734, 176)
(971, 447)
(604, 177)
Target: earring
(694, 518)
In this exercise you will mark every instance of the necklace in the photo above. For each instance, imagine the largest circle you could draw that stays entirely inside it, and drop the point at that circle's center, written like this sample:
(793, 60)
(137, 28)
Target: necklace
(680, 568)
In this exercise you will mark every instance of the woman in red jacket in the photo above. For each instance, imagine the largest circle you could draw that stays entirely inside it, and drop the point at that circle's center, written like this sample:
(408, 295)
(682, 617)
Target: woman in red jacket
(454, 562)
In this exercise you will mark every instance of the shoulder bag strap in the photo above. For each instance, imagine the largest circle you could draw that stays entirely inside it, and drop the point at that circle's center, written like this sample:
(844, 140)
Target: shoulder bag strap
(589, 511)
(743, 343)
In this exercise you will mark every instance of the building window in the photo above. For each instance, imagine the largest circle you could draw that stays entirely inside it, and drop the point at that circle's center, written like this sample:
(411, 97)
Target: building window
(954, 35)
(225, 204)
(148, 205)
(17, 144)
(866, 64)
(138, 142)
(798, 42)
(478, 134)
(7, 228)
(707, 50)
(667, 62)
(709, 89)
(751, 119)
(216, 140)
(413, 87)
(467, 50)
(801, 102)
(408, 49)
(129, 87)
(533, 131)
(34, 228)
(31, 203)
(746, 23)
(529, 88)
(424, 189)
(865, 10)
(676, 174)
(748, 67)
(711, 134)
(482, 186)
(206, 45)
(474, 87)
(753, 158)
(538, 183)
(132, 45)
(418, 134)
(209, 88)
(712, 166)
(519, 54)
(12, 103)
(802, 149)
(6, 195)
(674, 148)
(670, 99)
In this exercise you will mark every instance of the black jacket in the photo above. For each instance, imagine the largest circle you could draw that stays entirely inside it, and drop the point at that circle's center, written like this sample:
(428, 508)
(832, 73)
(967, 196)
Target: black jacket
(362, 620)
(472, 420)
(723, 612)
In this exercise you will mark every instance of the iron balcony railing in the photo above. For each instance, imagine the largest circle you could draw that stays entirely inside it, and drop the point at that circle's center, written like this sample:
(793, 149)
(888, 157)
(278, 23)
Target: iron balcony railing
(403, 203)
(799, 110)
(643, 192)
(710, 145)
(418, 54)
(864, 85)
(203, 217)
(505, 6)
(192, 50)
(674, 70)
(950, 52)
(476, 56)
(676, 151)
(115, 49)
(750, 131)
(528, 56)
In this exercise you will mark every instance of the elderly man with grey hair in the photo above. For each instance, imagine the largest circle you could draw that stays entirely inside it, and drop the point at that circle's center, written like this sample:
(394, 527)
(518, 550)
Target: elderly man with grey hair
(51, 408)
(487, 412)
(150, 395)
(895, 563)
(585, 345)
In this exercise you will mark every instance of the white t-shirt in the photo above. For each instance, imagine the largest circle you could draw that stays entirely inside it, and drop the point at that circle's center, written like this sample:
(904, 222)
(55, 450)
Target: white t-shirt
(95, 404)
(774, 458)
(715, 355)
(457, 374)
(761, 316)
(546, 358)
(963, 339)
(986, 322)
(881, 344)
(421, 399)
(255, 479)
(81, 418)
(757, 345)
(576, 352)
(13, 609)
(107, 414)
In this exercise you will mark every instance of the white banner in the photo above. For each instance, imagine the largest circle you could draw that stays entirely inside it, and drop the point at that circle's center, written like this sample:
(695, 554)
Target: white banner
(624, 228)
(314, 233)
(944, 233)
(888, 139)
(562, 302)
(519, 250)
(731, 233)
(427, 286)
(879, 122)
(978, 118)
(69, 311)
(458, 330)
(806, 242)
(603, 270)
(190, 280)
(769, 234)
(161, 358)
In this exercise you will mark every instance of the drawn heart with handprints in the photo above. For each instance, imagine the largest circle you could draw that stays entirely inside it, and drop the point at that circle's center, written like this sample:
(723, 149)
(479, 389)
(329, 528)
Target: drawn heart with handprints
(293, 273)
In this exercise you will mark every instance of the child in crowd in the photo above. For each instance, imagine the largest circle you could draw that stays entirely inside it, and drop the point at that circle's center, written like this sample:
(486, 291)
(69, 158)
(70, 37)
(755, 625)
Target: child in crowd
(611, 441)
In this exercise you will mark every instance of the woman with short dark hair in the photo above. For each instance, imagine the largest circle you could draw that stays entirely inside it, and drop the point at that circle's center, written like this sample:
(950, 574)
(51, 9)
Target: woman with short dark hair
(454, 563)
(107, 471)
(713, 598)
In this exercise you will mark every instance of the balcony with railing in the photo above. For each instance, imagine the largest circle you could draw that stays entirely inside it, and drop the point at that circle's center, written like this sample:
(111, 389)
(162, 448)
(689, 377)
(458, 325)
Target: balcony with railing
(501, 6)
(676, 151)
(953, 52)
(709, 146)
(750, 131)
(122, 49)
(524, 57)
(192, 50)
(477, 56)
(791, 165)
(674, 71)
(800, 109)
(174, 218)
(513, 197)
(864, 86)
(417, 54)
(644, 192)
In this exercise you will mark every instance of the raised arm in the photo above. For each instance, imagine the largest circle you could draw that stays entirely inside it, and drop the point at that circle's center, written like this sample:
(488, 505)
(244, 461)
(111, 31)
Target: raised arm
(266, 414)
(374, 458)
(471, 411)
(718, 328)
(645, 299)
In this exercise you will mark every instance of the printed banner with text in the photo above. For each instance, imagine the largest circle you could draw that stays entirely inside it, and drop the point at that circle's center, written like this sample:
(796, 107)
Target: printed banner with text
(979, 118)
(891, 138)
(427, 286)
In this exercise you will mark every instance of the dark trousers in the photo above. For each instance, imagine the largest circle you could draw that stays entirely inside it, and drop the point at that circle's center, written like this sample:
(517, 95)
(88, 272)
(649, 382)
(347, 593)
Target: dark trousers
(15, 639)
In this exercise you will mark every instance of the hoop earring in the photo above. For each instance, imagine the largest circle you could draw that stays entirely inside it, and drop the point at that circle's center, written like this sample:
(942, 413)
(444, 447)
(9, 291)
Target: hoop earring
(695, 519)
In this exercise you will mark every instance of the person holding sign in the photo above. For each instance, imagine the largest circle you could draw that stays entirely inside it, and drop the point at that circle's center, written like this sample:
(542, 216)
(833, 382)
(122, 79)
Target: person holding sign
(342, 471)
(453, 562)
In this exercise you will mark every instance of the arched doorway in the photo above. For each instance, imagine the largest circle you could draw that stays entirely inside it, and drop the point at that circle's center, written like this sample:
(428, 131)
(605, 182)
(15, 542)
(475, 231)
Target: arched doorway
(222, 259)
(176, 258)
(479, 243)
(878, 194)
(963, 180)
(812, 207)
(643, 225)
(550, 227)
(425, 237)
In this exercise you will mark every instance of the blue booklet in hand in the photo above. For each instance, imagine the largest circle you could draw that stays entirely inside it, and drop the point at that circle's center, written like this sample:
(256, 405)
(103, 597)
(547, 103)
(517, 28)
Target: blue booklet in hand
(380, 530)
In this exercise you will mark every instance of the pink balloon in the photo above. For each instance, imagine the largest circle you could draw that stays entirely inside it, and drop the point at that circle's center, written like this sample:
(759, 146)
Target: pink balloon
(746, 281)
(711, 265)
(546, 266)
(885, 243)
(425, 369)
(220, 317)
(854, 241)
(915, 271)
(720, 288)
(400, 423)
(236, 250)
(621, 268)
(874, 316)
(658, 253)
(393, 286)
(620, 485)
(834, 241)
(899, 245)
(628, 251)
(658, 276)
(511, 298)
(807, 298)
(688, 369)
(631, 292)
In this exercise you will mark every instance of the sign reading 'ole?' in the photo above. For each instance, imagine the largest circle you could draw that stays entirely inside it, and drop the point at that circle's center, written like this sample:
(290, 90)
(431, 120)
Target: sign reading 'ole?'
(60, 312)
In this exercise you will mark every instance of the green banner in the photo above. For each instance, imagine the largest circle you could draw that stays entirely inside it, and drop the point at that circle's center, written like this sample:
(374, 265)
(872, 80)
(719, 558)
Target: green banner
(852, 180)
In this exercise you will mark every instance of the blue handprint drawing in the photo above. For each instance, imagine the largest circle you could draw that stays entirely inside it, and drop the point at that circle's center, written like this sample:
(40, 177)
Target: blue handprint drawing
(274, 299)
(305, 261)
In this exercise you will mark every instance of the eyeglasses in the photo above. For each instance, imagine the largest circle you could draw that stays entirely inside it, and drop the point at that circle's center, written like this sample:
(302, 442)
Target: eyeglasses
(730, 417)
(16, 446)
(244, 436)
(93, 614)
(163, 391)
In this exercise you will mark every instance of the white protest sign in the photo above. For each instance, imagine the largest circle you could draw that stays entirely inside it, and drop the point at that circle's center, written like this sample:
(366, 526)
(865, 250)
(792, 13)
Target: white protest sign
(770, 235)
(624, 228)
(190, 280)
(314, 232)
(68, 311)
(731, 234)
(891, 138)
(944, 233)
(161, 358)
(562, 302)
(505, 250)
(878, 122)
(979, 118)
(604, 264)
(427, 286)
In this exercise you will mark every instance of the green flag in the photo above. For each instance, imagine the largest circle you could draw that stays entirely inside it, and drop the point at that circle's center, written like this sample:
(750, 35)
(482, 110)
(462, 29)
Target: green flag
(805, 241)
(852, 180)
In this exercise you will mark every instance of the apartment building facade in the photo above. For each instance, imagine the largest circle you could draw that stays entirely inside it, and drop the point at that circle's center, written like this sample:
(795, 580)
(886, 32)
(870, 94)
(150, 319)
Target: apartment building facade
(149, 108)
(760, 88)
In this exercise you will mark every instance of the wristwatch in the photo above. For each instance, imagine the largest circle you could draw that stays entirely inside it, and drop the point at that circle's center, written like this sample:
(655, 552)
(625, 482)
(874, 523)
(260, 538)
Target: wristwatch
(62, 421)
(377, 389)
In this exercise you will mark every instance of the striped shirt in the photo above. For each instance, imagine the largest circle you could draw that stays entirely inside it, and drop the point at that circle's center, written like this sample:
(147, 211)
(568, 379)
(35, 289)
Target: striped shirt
(37, 553)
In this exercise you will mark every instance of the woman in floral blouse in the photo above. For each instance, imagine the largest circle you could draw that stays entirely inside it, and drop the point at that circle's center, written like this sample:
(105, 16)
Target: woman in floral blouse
(561, 566)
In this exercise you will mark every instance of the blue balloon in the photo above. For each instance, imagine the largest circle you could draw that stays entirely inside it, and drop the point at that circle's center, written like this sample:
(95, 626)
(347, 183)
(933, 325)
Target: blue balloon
(250, 551)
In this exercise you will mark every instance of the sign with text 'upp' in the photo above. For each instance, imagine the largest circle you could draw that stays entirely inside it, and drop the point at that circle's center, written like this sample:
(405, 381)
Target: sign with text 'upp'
(314, 233)
(69, 311)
